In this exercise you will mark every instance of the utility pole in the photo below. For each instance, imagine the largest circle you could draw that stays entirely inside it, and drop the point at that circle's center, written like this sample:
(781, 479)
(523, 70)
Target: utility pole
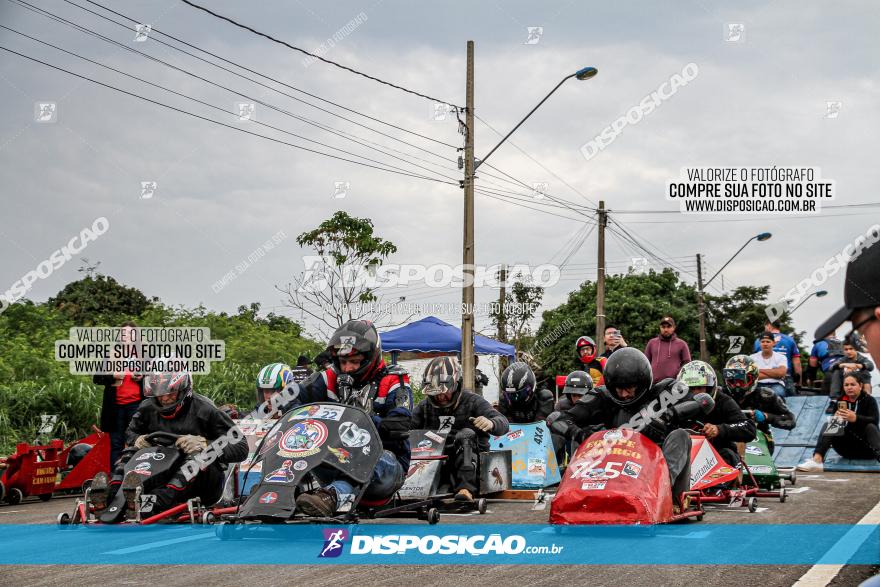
(600, 281)
(467, 296)
(502, 316)
(704, 354)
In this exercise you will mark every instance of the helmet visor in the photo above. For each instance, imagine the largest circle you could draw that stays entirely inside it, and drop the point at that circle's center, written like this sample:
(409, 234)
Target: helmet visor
(159, 384)
(435, 384)
(736, 378)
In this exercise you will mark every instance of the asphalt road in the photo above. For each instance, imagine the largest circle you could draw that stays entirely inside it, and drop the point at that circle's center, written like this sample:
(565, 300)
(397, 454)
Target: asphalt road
(830, 499)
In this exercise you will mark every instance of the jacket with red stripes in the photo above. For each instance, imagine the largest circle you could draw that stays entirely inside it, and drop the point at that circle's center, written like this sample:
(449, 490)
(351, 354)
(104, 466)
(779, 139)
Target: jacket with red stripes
(392, 398)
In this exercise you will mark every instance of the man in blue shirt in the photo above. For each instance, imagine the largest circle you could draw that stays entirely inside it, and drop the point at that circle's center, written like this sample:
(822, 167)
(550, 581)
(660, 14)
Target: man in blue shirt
(784, 345)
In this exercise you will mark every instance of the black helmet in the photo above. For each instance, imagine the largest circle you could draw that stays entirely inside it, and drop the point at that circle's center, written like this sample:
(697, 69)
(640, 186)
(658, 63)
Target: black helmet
(441, 375)
(578, 383)
(517, 383)
(628, 367)
(357, 336)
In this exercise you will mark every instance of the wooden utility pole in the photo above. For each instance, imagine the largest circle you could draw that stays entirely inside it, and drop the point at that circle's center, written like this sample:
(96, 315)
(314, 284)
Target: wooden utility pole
(502, 315)
(704, 354)
(600, 281)
(467, 296)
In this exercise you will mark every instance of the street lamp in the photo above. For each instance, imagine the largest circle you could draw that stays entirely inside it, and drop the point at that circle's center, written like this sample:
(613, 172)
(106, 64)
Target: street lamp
(818, 294)
(470, 168)
(581, 74)
(759, 237)
(704, 352)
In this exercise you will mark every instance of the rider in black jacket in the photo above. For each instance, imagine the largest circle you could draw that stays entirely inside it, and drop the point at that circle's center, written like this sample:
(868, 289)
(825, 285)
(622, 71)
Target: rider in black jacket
(172, 406)
(628, 398)
(726, 424)
(468, 418)
(520, 403)
(760, 404)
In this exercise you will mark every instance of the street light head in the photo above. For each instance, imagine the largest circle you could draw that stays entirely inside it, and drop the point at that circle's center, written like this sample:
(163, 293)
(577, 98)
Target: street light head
(764, 236)
(821, 293)
(586, 73)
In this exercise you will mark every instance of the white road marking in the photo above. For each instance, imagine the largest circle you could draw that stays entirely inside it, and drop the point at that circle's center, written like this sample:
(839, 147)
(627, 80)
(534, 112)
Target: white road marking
(822, 574)
(160, 543)
(794, 490)
(11, 511)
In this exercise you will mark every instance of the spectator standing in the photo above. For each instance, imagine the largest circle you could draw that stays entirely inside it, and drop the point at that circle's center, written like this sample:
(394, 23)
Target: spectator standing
(302, 370)
(123, 393)
(480, 378)
(613, 340)
(667, 353)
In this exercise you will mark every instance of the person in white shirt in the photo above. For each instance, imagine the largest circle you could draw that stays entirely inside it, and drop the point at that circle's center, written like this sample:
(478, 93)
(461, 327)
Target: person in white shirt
(773, 366)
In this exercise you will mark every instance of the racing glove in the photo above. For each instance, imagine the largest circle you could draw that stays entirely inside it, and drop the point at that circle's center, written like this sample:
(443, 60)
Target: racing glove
(141, 442)
(395, 427)
(760, 416)
(483, 423)
(191, 444)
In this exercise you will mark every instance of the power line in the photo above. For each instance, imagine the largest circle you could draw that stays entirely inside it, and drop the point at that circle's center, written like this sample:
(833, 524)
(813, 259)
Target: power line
(215, 107)
(303, 51)
(541, 165)
(295, 146)
(270, 78)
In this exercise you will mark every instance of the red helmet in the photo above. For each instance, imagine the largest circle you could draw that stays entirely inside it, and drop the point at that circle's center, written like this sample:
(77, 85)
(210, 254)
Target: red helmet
(585, 341)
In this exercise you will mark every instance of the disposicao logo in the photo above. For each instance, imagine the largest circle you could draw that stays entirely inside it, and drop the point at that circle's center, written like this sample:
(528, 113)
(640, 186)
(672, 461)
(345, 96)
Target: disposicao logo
(334, 539)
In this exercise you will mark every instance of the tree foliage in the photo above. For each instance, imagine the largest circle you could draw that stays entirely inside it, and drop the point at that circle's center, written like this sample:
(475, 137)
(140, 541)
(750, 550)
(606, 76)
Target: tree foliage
(99, 299)
(333, 288)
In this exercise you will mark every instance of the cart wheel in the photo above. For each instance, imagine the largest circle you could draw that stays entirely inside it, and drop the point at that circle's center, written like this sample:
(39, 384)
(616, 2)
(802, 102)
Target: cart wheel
(792, 477)
(63, 519)
(433, 516)
(15, 496)
(208, 518)
(782, 495)
(45, 496)
(753, 504)
(481, 505)
(2, 491)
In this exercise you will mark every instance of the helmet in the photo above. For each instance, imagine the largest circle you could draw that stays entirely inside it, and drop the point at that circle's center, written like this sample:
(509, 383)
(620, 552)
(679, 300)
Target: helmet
(273, 377)
(628, 367)
(578, 383)
(740, 376)
(518, 383)
(77, 453)
(699, 374)
(442, 374)
(158, 383)
(357, 336)
(582, 342)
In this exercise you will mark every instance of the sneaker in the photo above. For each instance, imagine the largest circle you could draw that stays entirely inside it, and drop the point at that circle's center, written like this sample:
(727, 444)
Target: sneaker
(464, 495)
(811, 466)
(318, 504)
(100, 491)
(130, 484)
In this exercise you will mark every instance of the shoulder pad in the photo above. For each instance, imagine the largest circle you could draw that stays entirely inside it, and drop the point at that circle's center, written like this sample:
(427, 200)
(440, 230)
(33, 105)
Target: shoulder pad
(544, 394)
(396, 370)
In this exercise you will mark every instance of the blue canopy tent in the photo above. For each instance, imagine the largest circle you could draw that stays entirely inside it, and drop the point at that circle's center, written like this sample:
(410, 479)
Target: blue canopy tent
(432, 335)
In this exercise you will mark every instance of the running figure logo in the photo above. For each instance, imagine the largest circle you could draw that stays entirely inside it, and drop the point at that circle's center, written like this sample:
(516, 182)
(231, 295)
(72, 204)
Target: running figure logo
(333, 541)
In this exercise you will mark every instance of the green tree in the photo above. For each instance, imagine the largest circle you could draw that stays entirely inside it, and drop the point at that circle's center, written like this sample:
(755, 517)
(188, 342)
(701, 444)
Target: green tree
(99, 299)
(333, 289)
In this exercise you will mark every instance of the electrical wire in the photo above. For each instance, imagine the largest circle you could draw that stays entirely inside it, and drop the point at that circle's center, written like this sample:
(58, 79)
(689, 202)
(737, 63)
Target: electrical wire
(180, 110)
(303, 51)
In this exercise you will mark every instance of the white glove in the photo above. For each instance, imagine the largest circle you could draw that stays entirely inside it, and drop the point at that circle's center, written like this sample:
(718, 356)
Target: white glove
(483, 423)
(191, 444)
(142, 442)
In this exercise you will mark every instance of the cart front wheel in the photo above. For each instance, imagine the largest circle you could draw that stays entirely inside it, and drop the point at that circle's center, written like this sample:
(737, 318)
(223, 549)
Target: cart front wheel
(63, 519)
(753, 504)
(482, 505)
(15, 496)
(433, 516)
(782, 495)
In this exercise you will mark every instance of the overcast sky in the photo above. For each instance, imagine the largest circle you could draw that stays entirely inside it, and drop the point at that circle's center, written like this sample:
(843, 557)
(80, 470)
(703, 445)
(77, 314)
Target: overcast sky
(757, 101)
